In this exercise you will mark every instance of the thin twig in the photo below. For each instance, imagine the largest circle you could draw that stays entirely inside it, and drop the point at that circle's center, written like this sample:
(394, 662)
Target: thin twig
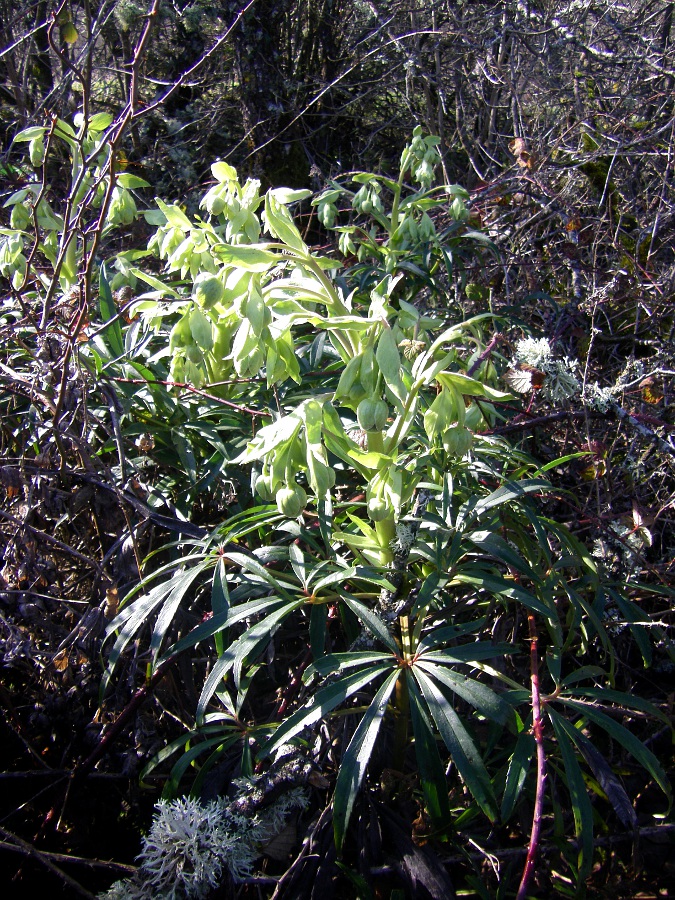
(117, 868)
(84, 768)
(43, 536)
(32, 853)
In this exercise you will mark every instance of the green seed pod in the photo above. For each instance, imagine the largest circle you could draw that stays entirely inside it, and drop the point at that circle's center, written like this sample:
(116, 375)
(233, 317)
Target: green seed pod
(380, 415)
(291, 501)
(207, 290)
(365, 414)
(457, 440)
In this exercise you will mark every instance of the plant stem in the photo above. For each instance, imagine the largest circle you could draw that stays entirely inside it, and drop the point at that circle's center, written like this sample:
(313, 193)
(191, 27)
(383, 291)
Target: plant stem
(386, 533)
(538, 731)
(402, 716)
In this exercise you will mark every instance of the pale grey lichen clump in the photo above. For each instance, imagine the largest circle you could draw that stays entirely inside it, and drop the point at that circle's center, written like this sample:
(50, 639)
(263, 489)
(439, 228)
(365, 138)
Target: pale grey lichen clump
(623, 547)
(561, 382)
(190, 845)
(600, 398)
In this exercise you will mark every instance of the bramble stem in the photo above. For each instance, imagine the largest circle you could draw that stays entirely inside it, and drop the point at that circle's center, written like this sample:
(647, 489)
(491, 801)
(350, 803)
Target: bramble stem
(538, 732)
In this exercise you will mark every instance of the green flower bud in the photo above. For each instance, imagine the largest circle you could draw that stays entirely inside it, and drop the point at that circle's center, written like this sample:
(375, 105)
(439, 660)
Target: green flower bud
(457, 440)
(213, 202)
(291, 501)
(372, 414)
(37, 151)
(263, 488)
(377, 509)
(346, 245)
(380, 415)
(20, 218)
(327, 214)
(458, 210)
(365, 414)
(360, 197)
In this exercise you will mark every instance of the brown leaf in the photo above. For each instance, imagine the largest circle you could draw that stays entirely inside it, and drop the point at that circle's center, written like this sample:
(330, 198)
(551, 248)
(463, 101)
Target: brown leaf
(112, 602)
(60, 660)
(518, 146)
(281, 846)
(317, 780)
(650, 391)
(524, 158)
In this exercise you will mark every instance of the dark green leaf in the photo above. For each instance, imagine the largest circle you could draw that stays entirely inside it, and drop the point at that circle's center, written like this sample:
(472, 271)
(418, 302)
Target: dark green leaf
(220, 600)
(581, 805)
(239, 650)
(112, 334)
(627, 740)
(320, 704)
(495, 584)
(318, 618)
(372, 622)
(608, 781)
(519, 765)
(431, 769)
(356, 758)
(462, 748)
(473, 692)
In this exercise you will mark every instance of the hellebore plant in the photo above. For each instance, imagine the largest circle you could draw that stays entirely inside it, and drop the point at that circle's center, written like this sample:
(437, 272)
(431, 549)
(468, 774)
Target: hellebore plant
(393, 530)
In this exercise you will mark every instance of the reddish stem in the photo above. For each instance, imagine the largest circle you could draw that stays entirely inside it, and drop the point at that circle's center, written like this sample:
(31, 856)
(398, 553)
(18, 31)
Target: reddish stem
(85, 767)
(538, 732)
